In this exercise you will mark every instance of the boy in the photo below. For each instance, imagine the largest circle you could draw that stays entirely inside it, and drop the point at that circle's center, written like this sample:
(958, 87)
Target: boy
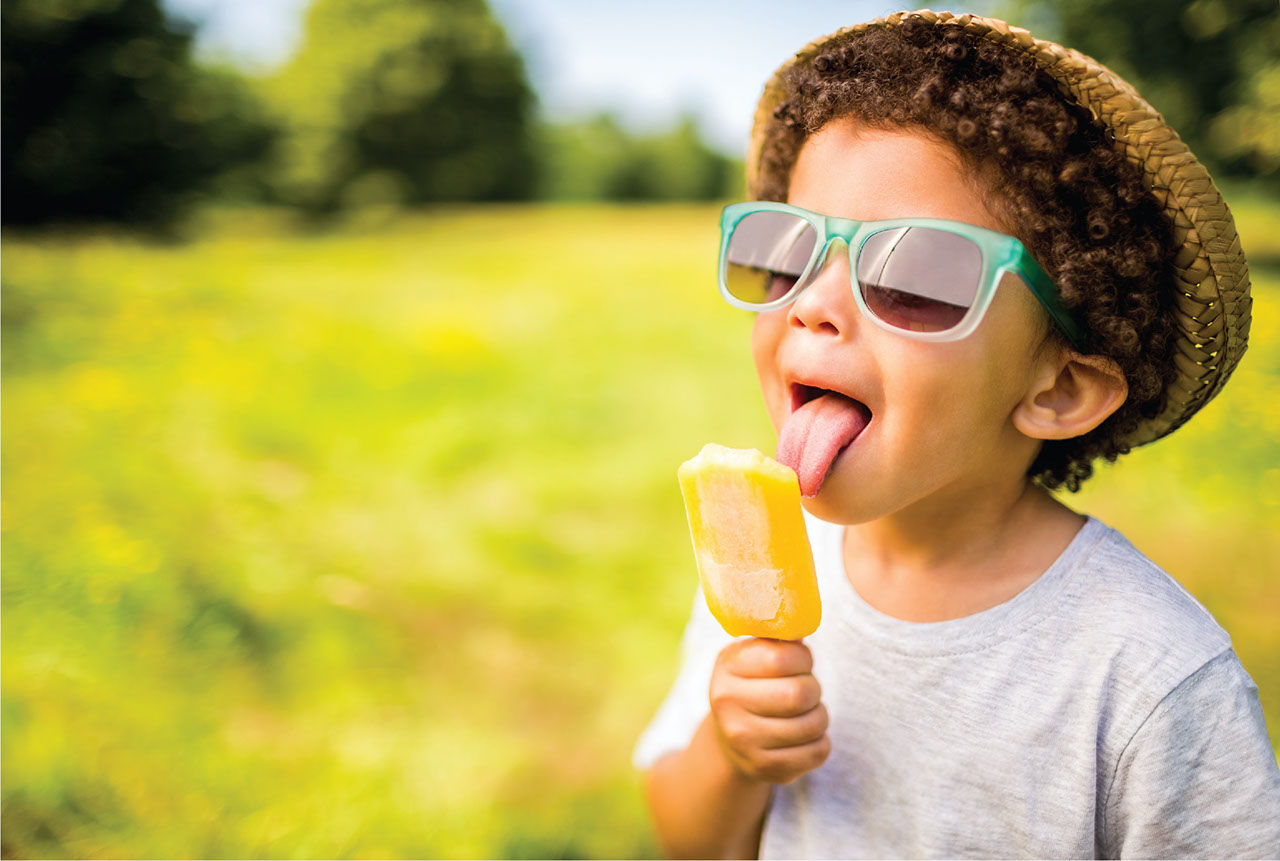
(999, 676)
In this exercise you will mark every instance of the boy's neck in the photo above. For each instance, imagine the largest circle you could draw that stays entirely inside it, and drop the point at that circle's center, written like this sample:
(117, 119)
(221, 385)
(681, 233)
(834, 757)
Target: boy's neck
(924, 565)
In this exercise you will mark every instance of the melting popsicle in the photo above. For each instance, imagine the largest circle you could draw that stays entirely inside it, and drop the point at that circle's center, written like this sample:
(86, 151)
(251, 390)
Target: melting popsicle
(750, 543)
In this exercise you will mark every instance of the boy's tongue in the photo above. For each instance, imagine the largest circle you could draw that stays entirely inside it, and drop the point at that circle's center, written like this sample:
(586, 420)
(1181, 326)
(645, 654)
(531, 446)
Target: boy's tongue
(815, 434)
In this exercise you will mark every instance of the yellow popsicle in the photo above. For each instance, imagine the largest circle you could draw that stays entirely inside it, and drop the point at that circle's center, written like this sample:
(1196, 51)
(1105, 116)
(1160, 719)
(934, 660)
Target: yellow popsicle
(750, 543)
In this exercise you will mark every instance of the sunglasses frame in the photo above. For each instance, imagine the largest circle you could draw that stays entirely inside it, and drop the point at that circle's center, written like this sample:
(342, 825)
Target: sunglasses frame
(1000, 252)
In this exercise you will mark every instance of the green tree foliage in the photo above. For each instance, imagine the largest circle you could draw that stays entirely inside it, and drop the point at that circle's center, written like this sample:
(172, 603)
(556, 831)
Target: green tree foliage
(597, 160)
(403, 102)
(1212, 67)
(106, 118)
(1249, 129)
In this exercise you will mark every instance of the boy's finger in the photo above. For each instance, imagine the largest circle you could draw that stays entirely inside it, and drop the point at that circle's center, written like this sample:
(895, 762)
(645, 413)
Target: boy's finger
(790, 763)
(746, 732)
(786, 696)
(760, 659)
(779, 733)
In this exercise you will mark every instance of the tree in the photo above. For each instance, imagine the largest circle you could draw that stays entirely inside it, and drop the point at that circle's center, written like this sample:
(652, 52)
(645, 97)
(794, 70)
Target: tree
(403, 102)
(598, 160)
(677, 166)
(1212, 67)
(106, 118)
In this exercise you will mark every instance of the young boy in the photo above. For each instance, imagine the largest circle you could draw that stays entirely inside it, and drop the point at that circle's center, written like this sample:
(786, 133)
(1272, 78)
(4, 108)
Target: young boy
(995, 675)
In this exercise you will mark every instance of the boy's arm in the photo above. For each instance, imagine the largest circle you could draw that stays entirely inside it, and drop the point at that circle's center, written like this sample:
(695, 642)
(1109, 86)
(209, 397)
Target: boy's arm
(702, 806)
(766, 725)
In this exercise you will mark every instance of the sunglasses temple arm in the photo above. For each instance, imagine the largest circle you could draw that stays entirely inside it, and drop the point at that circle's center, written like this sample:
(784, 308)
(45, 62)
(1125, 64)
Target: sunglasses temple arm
(1047, 292)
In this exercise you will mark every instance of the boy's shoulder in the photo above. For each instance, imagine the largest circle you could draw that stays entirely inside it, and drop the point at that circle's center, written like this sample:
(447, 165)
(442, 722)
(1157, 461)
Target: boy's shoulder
(1133, 615)
(1122, 583)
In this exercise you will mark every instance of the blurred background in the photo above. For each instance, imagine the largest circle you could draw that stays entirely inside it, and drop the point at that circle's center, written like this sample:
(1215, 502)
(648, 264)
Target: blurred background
(349, 351)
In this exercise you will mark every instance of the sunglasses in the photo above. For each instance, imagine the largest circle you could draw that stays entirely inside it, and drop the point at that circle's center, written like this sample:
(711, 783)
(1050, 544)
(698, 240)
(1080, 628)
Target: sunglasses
(923, 278)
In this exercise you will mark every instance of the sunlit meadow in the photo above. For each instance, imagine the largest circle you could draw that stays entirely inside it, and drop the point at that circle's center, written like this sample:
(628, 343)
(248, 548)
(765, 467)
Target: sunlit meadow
(367, 542)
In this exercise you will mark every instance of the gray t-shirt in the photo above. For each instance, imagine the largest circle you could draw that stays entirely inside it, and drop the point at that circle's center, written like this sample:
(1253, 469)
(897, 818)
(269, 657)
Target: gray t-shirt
(1101, 712)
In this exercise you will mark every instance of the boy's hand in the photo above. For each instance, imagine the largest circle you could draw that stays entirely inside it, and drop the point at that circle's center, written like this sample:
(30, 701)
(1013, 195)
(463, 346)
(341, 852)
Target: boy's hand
(767, 709)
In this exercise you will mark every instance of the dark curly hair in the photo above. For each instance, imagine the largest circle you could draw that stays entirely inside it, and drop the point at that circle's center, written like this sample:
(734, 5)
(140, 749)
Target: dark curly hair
(1054, 180)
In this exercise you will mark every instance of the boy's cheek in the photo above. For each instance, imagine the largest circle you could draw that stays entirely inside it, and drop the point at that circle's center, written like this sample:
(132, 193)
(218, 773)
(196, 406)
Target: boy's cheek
(765, 340)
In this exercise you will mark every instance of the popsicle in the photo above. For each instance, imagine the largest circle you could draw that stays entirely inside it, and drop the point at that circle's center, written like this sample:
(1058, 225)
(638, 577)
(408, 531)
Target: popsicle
(750, 543)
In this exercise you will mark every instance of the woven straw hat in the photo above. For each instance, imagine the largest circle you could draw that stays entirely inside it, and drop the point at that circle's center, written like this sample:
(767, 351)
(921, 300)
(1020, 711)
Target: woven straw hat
(1212, 278)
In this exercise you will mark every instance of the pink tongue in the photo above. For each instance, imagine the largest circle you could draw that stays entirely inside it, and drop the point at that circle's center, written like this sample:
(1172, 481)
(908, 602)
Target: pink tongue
(815, 434)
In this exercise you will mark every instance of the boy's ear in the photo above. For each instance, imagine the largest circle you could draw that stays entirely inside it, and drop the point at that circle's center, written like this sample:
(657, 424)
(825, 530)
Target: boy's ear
(1073, 395)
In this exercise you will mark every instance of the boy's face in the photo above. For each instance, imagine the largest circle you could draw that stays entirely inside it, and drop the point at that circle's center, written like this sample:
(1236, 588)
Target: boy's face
(940, 433)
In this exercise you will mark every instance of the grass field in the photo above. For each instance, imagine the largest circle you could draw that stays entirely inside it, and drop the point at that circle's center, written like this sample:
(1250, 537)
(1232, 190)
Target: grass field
(368, 543)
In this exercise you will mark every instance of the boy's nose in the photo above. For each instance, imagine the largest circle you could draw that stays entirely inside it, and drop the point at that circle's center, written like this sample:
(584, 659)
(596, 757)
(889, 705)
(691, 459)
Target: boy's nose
(826, 305)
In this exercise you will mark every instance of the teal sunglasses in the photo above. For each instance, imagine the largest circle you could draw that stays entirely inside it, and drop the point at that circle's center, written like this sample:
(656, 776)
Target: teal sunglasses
(923, 278)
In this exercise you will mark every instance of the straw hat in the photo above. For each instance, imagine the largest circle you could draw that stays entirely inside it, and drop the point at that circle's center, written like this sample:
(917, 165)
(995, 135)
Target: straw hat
(1211, 276)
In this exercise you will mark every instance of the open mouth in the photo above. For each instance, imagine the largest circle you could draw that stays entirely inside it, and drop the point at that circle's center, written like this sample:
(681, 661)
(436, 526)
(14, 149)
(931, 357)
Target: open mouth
(822, 424)
(802, 394)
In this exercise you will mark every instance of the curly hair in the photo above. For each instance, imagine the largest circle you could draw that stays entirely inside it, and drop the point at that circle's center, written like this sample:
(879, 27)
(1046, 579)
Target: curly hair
(1054, 180)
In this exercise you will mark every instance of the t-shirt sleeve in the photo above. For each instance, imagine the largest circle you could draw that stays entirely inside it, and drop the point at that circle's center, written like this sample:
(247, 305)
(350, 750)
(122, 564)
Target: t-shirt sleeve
(678, 717)
(1199, 777)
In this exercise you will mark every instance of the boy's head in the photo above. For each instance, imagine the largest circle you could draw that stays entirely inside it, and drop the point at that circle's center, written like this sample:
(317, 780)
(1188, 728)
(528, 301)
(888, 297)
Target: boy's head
(1066, 158)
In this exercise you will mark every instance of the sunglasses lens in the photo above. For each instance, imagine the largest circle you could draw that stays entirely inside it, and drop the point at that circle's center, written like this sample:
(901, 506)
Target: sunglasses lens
(919, 278)
(766, 255)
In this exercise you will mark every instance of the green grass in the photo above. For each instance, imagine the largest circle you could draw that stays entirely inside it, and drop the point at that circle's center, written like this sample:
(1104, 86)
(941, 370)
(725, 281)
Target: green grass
(369, 543)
